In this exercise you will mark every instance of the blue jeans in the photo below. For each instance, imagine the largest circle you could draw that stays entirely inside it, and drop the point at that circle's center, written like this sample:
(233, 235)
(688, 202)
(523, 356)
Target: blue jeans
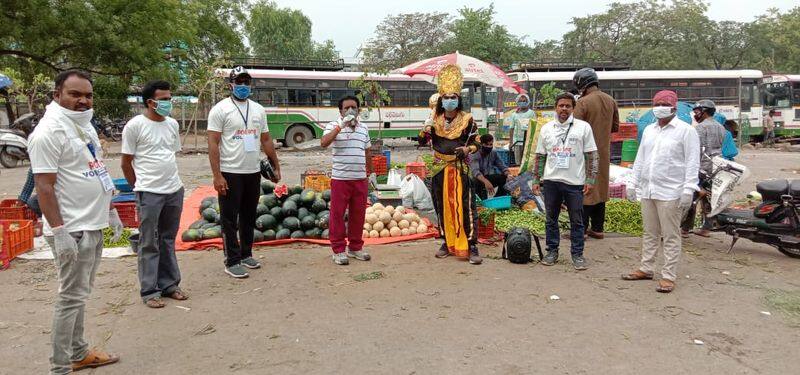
(556, 193)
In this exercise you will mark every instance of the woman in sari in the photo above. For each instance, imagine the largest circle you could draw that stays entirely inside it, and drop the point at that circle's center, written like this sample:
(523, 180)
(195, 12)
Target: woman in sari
(454, 137)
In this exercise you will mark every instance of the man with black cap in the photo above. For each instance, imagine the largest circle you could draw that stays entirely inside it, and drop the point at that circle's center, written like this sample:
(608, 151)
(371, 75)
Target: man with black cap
(236, 128)
(600, 111)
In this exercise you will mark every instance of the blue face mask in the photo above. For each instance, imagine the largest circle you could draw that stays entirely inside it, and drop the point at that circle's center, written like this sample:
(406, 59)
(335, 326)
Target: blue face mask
(522, 105)
(163, 107)
(241, 91)
(450, 104)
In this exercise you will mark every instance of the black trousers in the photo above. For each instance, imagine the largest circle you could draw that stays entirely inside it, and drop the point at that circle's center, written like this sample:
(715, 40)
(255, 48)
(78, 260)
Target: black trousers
(497, 180)
(238, 215)
(594, 217)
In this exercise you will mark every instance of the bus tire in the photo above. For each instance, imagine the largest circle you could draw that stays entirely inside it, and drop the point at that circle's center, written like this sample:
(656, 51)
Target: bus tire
(298, 133)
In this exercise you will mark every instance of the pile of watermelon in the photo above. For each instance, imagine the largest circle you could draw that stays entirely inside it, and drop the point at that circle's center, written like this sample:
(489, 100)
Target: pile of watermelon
(283, 212)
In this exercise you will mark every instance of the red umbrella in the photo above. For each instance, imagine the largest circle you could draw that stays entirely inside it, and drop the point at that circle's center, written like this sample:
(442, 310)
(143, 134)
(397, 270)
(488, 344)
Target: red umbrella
(472, 68)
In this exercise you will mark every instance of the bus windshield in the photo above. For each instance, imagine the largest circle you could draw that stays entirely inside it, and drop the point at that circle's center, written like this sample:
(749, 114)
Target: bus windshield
(777, 94)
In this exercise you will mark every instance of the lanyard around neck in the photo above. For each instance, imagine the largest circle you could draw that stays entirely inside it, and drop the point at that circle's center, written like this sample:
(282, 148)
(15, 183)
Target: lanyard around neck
(564, 138)
(89, 144)
(244, 115)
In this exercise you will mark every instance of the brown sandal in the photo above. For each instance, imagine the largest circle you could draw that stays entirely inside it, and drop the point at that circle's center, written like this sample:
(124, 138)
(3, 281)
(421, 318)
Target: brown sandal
(665, 286)
(95, 358)
(155, 303)
(637, 275)
(178, 295)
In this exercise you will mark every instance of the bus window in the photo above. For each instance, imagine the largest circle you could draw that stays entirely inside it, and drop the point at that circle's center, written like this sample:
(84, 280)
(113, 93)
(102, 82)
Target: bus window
(776, 95)
(302, 97)
(400, 98)
(796, 93)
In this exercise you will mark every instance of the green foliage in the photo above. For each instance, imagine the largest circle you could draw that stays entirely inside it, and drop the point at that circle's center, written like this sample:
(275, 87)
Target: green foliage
(546, 96)
(284, 33)
(371, 95)
(111, 93)
(404, 38)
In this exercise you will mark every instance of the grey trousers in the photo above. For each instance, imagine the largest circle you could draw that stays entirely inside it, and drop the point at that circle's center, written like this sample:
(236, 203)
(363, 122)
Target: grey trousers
(75, 281)
(159, 218)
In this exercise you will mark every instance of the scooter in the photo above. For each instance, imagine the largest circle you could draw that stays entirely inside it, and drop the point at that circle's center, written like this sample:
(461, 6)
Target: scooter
(14, 140)
(775, 221)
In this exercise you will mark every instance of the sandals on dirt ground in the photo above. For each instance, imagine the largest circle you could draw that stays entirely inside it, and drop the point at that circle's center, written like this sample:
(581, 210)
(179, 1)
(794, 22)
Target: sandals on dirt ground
(177, 295)
(665, 286)
(95, 358)
(155, 303)
(637, 275)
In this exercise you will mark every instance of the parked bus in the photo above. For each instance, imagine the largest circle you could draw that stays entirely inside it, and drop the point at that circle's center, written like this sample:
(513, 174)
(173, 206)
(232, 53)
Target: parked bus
(782, 93)
(300, 103)
(736, 92)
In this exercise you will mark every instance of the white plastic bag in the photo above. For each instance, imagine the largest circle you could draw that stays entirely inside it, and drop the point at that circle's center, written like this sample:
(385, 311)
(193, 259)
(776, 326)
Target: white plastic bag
(394, 178)
(415, 194)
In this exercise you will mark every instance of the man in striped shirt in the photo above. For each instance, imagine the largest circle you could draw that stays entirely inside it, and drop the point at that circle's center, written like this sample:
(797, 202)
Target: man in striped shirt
(350, 140)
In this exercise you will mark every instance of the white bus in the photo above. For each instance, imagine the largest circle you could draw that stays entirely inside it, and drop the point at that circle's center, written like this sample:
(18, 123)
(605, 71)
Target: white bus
(781, 92)
(736, 92)
(300, 103)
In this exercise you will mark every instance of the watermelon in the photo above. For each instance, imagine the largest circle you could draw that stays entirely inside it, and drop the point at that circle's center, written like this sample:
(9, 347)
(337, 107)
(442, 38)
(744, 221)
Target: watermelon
(206, 226)
(298, 234)
(276, 212)
(191, 235)
(313, 233)
(257, 236)
(278, 228)
(265, 222)
(267, 186)
(261, 209)
(215, 206)
(291, 223)
(289, 208)
(323, 222)
(294, 198)
(324, 234)
(307, 197)
(307, 222)
(283, 234)
(296, 189)
(323, 213)
(319, 205)
(326, 195)
(302, 212)
(270, 200)
(214, 232)
(207, 202)
(197, 224)
(269, 235)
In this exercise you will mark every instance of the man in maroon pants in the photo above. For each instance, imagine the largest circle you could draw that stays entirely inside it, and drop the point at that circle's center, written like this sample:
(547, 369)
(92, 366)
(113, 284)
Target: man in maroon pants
(351, 166)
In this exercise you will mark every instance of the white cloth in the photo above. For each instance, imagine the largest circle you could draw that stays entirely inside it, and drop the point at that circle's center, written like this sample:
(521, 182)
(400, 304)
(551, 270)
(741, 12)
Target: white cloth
(554, 141)
(56, 147)
(226, 117)
(520, 122)
(668, 161)
(349, 150)
(153, 145)
(661, 221)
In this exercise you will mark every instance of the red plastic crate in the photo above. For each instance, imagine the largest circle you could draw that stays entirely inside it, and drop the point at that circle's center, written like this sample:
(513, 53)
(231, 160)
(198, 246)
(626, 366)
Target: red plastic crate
(617, 191)
(128, 214)
(15, 209)
(417, 168)
(486, 231)
(15, 242)
(379, 165)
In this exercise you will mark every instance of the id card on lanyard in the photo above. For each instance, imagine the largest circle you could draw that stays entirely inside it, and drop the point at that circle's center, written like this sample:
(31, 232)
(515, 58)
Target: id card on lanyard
(248, 139)
(563, 153)
(96, 166)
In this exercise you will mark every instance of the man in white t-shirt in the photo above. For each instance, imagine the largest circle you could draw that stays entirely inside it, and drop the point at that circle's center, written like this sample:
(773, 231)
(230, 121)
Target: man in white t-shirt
(149, 144)
(566, 166)
(74, 189)
(351, 166)
(237, 130)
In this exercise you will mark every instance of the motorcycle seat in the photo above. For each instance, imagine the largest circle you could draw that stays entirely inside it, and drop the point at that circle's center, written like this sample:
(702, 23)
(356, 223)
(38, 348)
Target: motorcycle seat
(794, 189)
(771, 190)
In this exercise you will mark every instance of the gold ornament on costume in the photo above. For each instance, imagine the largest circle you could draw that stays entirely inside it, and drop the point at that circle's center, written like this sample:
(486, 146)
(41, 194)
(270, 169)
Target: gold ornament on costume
(450, 80)
(433, 100)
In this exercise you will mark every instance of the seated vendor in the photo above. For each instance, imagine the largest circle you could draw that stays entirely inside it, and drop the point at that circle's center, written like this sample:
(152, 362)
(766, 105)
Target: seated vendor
(489, 173)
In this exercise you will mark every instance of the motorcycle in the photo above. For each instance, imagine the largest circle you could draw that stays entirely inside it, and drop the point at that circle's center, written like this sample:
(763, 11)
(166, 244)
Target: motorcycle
(14, 140)
(775, 221)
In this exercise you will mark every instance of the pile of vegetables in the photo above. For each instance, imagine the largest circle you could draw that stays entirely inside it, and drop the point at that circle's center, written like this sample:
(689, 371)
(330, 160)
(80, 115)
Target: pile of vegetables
(387, 221)
(283, 212)
(622, 216)
(532, 220)
(124, 239)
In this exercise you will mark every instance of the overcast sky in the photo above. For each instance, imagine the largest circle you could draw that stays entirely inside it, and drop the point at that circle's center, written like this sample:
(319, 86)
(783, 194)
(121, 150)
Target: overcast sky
(349, 22)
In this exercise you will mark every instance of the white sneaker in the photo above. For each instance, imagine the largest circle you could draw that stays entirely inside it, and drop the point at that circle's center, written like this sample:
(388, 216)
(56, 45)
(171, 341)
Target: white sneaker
(341, 259)
(360, 255)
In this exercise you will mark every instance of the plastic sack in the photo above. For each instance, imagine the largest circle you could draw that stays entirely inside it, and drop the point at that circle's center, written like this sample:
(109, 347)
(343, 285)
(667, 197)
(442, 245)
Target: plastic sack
(415, 194)
(394, 178)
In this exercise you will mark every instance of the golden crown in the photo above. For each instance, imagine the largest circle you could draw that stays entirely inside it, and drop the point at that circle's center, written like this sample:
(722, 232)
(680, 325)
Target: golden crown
(450, 80)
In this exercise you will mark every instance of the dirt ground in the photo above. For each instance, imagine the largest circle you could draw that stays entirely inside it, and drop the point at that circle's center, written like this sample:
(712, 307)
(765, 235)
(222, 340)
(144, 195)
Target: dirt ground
(406, 312)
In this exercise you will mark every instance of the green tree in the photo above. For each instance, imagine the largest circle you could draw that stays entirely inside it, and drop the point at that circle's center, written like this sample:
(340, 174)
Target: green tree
(777, 37)
(404, 38)
(371, 94)
(476, 33)
(283, 33)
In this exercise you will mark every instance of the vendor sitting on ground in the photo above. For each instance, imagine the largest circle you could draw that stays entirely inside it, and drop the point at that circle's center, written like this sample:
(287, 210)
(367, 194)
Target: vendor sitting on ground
(489, 173)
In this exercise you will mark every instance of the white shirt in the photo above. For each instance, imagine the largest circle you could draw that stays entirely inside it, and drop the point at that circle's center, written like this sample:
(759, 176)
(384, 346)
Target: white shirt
(153, 145)
(520, 121)
(349, 150)
(56, 147)
(668, 161)
(227, 118)
(573, 141)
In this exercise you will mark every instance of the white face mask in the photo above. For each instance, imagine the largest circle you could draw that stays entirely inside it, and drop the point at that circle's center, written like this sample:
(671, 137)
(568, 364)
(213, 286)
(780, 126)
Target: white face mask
(662, 112)
(79, 117)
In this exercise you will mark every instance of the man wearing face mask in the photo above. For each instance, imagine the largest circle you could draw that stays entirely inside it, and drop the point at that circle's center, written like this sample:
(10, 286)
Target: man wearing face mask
(666, 170)
(566, 167)
(149, 144)
(74, 189)
(351, 166)
(488, 171)
(712, 136)
(520, 120)
(237, 130)
(600, 111)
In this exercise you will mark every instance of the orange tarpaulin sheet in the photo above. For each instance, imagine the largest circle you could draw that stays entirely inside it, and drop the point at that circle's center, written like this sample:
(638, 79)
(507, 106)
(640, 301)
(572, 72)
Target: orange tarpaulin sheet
(191, 213)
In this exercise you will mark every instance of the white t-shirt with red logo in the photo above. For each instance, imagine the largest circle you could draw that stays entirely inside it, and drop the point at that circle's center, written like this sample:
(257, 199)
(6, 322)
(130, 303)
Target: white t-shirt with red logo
(239, 150)
(565, 145)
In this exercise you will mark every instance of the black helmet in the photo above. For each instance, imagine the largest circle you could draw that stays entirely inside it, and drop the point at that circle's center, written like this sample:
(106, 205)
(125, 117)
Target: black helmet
(584, 78)
(238, 71)
(706, 106)
(266, 169)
